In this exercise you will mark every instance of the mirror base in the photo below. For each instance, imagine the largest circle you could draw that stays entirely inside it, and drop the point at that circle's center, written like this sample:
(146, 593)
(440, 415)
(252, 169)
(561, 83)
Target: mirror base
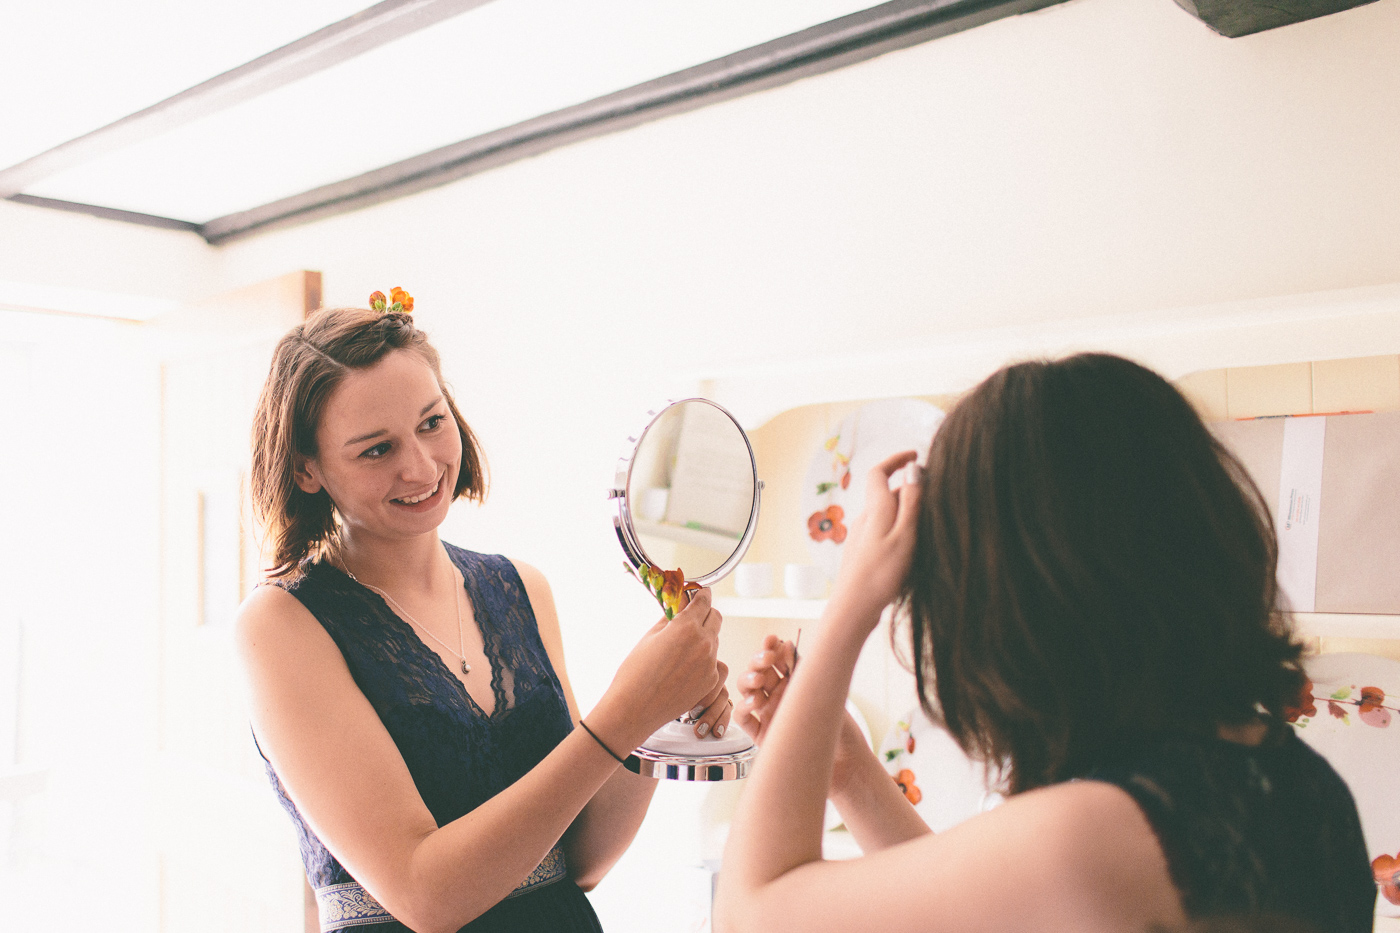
(674, 753)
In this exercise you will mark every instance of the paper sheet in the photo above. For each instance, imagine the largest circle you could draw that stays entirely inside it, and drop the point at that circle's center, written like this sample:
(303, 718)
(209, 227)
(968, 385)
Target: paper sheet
(1299, 506)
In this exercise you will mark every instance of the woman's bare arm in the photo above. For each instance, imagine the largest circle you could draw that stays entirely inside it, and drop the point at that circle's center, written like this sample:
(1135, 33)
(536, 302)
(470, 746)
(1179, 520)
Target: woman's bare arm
(870, 803)
(609, 821)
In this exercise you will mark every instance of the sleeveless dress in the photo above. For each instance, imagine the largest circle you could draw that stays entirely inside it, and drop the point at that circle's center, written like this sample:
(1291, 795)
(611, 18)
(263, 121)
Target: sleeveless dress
(458, 756)
(1268, 830)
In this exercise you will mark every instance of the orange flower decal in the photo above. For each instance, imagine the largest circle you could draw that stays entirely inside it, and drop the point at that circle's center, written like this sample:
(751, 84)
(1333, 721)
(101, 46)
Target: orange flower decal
(1302, 704)
(399, 301)
(1372, 712)
(905, 780)
(826, 524)
(1386, 868)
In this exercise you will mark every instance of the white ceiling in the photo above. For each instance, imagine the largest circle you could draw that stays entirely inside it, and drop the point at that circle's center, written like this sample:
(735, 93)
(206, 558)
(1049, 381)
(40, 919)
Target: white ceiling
(82, 64)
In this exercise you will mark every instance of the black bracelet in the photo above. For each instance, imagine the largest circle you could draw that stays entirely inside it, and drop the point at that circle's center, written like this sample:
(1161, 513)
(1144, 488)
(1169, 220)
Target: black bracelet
(601, 742)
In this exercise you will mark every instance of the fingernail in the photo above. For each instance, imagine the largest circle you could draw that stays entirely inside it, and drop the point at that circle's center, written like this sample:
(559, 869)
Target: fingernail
(695, 713)
(719, 731)
(703, 729)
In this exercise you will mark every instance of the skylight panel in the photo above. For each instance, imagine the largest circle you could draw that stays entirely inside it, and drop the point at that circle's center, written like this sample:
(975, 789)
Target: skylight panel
(500, 64)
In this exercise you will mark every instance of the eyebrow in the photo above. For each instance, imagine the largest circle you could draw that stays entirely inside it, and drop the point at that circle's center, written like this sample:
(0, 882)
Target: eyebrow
(373, 434)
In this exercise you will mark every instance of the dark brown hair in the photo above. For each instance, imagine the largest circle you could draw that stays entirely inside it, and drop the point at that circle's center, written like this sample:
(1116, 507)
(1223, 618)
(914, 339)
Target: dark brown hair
(1092, 566)
(307, 367)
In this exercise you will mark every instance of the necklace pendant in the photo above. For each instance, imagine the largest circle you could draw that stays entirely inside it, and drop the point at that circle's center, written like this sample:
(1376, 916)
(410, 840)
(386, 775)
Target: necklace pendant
(466, 668)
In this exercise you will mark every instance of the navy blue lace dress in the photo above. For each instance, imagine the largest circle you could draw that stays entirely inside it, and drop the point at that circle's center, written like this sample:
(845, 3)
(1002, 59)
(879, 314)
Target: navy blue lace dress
(459, 757)
(1268, 830)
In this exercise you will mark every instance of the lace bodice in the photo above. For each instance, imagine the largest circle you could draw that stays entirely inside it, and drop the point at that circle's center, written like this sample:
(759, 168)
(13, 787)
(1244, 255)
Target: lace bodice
(1247, 831)
(458, 756)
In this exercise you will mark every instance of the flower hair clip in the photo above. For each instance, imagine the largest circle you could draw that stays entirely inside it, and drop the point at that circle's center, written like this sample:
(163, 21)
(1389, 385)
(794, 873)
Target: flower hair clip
(670, 587)
(399, 301)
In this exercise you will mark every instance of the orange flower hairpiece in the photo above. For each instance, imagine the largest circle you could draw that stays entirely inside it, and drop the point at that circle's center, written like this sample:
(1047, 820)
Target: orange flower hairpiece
(670, 587)
(398, 301)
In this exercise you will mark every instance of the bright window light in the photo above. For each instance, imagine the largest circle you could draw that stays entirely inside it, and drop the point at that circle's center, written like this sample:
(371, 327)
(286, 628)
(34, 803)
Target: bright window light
(72, 66)
(491, 67)
(24, 297)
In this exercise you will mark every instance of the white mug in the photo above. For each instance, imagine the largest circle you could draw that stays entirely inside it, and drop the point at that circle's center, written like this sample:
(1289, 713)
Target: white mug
(753, 581)
(654, 502)
(804, 581)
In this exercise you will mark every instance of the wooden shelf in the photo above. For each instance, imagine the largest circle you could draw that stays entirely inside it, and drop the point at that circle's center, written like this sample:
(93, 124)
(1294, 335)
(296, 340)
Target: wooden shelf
(22, 782)
(1312, 624)
(699, 537)
(770, 608)
(1346, 625)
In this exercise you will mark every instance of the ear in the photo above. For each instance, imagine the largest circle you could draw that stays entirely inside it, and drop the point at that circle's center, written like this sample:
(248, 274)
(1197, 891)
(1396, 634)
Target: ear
(307, 476)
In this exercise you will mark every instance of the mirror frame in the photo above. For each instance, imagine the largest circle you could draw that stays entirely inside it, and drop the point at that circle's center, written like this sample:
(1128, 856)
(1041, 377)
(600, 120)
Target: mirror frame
(626, 529)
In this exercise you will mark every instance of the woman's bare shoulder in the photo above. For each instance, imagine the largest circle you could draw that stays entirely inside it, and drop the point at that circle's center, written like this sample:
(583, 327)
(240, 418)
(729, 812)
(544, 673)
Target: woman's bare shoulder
(530, 576)
(1106, 854)
(272, 622)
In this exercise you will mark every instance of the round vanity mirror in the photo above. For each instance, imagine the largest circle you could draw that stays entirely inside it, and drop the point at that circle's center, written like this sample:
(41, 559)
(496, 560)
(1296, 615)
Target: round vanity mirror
(686, 497)
(687, 492)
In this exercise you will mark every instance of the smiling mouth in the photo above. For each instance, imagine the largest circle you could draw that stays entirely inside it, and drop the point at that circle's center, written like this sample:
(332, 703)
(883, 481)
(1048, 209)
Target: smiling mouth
(414, 500)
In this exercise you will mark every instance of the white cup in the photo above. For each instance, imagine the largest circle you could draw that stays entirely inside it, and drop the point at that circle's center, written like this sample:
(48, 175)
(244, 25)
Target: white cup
(753, 581)
(654, 503)
(804, 581)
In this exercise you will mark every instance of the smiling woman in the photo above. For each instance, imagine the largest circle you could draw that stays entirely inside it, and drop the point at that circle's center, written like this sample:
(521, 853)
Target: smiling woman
(433, 787)
(337, 350)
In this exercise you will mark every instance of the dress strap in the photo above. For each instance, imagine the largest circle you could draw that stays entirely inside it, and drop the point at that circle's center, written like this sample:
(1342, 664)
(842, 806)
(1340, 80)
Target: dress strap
(349, 905)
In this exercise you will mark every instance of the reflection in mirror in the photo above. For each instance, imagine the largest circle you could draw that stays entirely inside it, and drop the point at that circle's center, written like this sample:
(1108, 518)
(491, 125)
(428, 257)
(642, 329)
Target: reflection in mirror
(691, 488)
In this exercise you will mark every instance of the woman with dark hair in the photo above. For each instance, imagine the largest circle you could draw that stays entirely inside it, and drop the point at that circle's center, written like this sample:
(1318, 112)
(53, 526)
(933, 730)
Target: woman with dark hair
(410, 697)
(1089, 584)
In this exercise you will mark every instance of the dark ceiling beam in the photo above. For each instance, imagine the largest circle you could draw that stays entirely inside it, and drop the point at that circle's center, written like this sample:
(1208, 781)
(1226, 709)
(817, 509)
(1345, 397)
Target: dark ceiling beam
(107, 213)
(323, 48)
(822, 48)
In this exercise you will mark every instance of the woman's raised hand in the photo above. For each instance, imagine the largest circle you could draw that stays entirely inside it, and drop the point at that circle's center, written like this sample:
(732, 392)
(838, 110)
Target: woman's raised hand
(762, 684)
(876, 556)
(761, 689)
(672, 670)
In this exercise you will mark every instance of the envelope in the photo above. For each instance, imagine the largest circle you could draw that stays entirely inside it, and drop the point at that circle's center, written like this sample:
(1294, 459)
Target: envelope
(1357, 558)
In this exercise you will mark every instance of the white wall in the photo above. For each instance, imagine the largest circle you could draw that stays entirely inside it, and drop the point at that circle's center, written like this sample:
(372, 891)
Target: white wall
(79, 564)
(1070, 178)
(1085, 170)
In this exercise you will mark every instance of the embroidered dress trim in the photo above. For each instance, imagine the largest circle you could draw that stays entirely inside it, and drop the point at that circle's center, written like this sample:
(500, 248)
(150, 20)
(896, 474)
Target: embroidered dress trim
(343, 906)
(547, 872)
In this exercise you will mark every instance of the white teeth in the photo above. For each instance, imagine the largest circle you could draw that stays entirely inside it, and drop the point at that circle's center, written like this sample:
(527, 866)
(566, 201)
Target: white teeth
(414, 500)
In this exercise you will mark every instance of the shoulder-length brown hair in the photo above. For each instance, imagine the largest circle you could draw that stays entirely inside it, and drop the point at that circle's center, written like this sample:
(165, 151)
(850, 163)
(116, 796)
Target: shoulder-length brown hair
(307, 367)
(1091, 567)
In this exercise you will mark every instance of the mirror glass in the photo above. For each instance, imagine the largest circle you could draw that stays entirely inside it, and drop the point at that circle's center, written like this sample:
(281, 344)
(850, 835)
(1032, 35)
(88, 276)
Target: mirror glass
(691, 491)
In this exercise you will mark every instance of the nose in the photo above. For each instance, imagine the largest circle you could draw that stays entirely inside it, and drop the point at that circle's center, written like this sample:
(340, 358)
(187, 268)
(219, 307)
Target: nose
(418, 465)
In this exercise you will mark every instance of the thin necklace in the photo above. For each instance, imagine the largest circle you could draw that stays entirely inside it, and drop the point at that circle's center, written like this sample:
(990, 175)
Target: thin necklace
(461, 653)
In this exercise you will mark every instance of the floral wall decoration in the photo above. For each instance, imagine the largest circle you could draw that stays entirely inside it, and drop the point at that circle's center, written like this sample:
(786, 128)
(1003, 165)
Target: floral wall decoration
(1368, 702)
(833, 491)
(826, 524)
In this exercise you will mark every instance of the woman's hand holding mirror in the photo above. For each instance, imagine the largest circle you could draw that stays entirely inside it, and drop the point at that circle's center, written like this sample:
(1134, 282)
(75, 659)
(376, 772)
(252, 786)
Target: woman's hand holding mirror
(685, 495)
(671, 672)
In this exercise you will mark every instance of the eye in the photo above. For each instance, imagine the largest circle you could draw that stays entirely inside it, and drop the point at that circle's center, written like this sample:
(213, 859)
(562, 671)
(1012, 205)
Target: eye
(378, 450)
(433, 423)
